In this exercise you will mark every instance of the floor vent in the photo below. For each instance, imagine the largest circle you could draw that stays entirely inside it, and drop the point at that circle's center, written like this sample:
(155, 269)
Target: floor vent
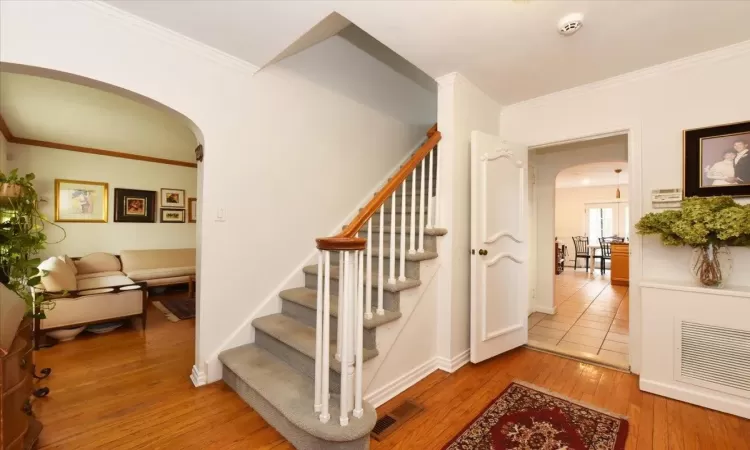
(715, 357)
(394, 419)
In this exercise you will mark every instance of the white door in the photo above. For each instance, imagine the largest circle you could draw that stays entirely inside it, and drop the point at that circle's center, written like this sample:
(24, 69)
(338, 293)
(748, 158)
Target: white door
(499, 270)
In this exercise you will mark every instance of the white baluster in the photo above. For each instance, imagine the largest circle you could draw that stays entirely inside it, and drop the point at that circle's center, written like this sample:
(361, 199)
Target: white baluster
(319, 335)
(326, 350)
(380, 309)
(429, 194)
(413, 240)
(368, 291)
(345, 275)
(358, 343)
(421, 211)
(402, 262)
(341, 297)
(436, 201)
(392, 272)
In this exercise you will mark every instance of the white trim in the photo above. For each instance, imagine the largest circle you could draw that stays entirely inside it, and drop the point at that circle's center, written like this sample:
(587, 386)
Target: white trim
(718, 402)
(677, 64)
(402, 383)
(171, 37)
(455, 363)
(198, 377)
(729, 291)
(271, 303)
(544, 309)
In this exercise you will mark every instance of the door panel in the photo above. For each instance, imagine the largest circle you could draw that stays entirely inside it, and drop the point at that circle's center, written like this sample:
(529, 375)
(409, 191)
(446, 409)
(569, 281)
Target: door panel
(499, 279)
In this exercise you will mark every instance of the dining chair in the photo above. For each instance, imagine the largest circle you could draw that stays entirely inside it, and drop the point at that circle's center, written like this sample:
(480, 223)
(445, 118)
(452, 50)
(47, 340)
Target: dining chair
(606, 252)
(581, 246)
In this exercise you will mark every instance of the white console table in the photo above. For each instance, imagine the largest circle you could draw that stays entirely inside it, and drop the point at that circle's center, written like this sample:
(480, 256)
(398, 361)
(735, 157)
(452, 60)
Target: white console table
(696, 345)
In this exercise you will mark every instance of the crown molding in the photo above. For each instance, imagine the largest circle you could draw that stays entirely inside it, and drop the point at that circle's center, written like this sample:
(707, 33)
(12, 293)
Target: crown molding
(169, 36)
(715, 55)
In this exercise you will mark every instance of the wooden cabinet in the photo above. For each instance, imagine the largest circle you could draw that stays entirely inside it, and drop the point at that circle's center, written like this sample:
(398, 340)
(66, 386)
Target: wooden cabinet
(18, 429)
(620, 264)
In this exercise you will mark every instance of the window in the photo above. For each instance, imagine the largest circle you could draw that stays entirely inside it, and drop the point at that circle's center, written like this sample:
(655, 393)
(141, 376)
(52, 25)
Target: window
(627, 223)
(600, 223)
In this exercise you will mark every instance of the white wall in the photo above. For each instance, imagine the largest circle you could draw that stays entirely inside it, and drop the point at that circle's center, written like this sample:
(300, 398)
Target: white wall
(570, 211)
(112, 237)
(462, 108)
(285, 157)
(549, 162)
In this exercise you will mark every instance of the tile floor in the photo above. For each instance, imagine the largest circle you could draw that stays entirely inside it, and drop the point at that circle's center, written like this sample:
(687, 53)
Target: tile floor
(591, 321)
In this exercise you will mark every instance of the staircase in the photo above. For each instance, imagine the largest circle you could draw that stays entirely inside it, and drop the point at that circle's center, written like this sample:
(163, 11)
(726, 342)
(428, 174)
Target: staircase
(297, 355)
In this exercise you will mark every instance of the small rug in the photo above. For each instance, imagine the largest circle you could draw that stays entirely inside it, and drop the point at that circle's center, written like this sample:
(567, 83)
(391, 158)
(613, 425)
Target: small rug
(526, 417)
(176, 309)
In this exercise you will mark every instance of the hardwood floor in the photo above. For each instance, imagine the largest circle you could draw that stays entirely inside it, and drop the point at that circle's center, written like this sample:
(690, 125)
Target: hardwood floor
(129, 390)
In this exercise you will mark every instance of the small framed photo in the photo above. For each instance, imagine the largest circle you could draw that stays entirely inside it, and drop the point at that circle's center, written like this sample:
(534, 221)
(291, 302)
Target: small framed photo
(172, 198)
(192, 209)
(81, 201)
(717, 160)
(172, 215)
(133, 205)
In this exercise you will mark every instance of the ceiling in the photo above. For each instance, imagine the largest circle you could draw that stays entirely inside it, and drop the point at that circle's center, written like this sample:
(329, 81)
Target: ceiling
(594, 174)
(510, 49)
(57, 111)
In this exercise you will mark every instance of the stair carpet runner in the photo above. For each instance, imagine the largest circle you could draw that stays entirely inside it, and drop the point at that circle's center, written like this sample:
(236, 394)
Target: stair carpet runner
(275, 374)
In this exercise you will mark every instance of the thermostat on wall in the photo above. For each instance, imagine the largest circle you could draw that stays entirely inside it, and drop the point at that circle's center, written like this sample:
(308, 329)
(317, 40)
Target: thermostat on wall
(666, 198)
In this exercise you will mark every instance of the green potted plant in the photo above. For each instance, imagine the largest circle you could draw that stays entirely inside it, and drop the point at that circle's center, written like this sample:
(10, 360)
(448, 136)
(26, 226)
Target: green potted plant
(22, 237)
(710, 225)
(11, 184)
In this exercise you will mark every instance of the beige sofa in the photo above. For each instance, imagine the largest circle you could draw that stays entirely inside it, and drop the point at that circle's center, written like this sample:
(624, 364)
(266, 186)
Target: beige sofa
(90, 290)
(159, 267)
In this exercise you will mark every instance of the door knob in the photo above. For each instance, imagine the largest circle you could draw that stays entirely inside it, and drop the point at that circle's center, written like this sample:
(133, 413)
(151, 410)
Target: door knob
(483, 252)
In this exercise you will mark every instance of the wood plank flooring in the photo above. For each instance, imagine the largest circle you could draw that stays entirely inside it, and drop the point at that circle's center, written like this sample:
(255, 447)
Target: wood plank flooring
(130, 390)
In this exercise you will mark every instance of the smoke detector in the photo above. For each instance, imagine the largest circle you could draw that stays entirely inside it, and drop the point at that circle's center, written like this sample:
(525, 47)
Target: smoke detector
(569, 24)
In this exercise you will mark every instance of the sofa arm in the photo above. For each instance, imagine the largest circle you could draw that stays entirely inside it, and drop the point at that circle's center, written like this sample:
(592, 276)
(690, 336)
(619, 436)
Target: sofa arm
(135, 286)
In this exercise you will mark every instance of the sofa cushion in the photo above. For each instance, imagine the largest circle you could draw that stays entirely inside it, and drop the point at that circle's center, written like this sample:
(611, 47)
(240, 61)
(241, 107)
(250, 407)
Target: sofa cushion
(157, 259)
(166, 272)
(67, 260)
(98, 262)
(90, 308)
(60, 276)
(98, 274)
(100, 285)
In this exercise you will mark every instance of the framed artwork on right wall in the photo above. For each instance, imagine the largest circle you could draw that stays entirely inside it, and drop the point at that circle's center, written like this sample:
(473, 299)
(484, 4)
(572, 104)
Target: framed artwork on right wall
(717, 160)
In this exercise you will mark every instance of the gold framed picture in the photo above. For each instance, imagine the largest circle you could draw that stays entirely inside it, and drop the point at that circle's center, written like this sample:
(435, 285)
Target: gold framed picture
(172, 198)
(81, 201)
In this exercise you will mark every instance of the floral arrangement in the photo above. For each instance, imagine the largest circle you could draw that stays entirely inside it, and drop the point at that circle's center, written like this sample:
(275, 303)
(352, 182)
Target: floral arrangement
(707, 224)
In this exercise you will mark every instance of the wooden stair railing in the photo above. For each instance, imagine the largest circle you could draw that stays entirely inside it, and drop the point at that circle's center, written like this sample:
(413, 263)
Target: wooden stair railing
(347, 239)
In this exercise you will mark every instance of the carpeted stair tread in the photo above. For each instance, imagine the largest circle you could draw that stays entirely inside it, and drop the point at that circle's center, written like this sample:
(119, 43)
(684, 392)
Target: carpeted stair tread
(395, 287)
(387, 229)
(424, 256)
(293, 394)
(309, 298)
(300, 337)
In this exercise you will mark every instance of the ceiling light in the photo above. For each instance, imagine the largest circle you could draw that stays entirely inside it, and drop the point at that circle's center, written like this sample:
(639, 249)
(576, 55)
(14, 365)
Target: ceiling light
(585, 181)
(569, 24)
(617, 171)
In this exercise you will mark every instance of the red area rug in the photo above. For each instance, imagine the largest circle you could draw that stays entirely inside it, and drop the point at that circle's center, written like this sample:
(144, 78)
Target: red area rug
(526, 417)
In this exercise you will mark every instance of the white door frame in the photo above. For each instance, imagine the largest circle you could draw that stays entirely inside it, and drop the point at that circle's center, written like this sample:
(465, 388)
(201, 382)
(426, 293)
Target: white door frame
(635, 205)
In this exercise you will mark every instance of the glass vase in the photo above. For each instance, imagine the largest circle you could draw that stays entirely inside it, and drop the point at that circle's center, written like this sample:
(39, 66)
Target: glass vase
(711, 265)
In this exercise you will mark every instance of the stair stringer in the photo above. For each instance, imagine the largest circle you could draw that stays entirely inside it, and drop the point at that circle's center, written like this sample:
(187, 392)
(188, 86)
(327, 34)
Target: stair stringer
(407, 347)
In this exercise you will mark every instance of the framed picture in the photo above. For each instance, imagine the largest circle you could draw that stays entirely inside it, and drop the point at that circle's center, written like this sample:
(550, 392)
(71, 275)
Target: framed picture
(172, 198)
(192, 209)
(133, 205)
(81, 201)
(172, 215)
(716, 161)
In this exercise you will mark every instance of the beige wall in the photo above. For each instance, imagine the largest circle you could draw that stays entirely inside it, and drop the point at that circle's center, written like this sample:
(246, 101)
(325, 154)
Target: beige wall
(83, 238)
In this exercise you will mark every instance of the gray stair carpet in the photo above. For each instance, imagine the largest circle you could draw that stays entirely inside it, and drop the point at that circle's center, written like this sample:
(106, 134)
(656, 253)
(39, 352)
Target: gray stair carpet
(275, 374)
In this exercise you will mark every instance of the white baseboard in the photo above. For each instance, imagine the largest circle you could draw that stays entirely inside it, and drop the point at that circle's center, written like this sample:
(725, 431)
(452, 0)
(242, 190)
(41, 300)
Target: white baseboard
(544, 309)
(718, 401)
(402, 383)
(198, 377)
(455, 363)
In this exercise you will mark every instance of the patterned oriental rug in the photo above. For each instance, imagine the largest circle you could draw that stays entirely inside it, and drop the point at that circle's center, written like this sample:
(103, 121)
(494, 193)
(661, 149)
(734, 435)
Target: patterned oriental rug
(527, 417)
